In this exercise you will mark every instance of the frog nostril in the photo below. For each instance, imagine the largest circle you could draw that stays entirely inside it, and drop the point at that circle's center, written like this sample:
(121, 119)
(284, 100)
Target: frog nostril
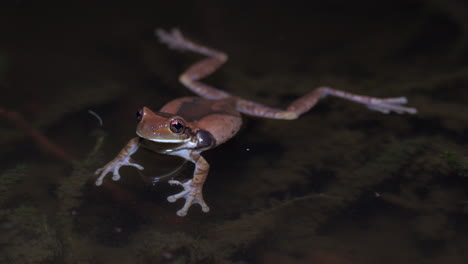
(139, 114)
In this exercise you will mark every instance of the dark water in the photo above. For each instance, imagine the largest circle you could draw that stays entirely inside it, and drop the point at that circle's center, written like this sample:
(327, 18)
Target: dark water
(341, 184)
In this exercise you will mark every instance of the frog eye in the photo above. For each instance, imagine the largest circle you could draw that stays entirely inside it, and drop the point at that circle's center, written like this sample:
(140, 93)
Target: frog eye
(139, 114)
(177, 126)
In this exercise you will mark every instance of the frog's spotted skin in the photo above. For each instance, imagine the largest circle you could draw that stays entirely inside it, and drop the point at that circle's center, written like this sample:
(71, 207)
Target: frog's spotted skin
(187, 126)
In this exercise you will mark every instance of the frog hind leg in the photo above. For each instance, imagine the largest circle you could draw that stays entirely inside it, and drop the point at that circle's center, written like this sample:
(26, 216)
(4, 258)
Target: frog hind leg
(193, 189)
(306, 102)
(190, 78)
(174, 39)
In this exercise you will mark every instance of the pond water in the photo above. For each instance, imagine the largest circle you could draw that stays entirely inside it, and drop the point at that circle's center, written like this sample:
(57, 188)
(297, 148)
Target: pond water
(341, 184)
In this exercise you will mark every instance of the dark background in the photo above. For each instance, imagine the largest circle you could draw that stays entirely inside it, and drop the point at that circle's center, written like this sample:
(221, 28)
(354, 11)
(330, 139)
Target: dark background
(341, 184)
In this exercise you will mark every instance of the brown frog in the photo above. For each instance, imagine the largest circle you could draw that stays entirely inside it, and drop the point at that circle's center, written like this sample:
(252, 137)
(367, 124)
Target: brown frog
(187, 126)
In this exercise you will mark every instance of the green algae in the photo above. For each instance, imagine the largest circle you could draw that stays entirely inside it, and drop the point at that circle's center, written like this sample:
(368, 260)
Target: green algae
(69, 194)
(317, 208)
(225, 239)
(10, 178)
(456, 162)
(28, 238)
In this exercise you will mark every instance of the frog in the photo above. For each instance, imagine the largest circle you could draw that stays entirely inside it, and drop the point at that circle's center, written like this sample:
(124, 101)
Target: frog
(187, 126)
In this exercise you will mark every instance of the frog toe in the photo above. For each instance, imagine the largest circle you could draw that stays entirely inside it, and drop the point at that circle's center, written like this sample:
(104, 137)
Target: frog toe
(98, 182)
(173, 38)
(114, 167)
(116, 174)
(183, 193)
(192, 195)
(387, 107)
(102, 173)
(138, 166)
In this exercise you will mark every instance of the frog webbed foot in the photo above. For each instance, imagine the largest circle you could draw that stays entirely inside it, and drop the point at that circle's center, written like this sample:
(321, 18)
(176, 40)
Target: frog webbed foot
(114, 166)
(394, 104)
(192, 194)
(174, 39)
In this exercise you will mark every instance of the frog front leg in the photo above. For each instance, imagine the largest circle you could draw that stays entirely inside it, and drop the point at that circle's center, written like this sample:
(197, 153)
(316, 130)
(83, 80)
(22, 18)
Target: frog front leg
(193, 189)
(122, 159)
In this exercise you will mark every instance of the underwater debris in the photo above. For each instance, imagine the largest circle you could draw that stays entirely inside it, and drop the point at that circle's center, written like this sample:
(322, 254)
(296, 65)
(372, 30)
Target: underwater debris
(84, 96)
(35, 134)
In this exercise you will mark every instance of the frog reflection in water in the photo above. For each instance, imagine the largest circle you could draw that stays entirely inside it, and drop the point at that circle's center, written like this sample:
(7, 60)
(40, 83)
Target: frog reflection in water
(187, 126)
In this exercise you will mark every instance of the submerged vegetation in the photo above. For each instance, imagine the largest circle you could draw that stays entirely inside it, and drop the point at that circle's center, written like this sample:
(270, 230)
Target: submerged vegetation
(457, 162)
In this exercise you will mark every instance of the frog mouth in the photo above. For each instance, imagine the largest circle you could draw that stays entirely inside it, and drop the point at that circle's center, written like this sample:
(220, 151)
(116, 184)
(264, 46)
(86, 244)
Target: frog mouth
(168, 140)
(164, 140)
